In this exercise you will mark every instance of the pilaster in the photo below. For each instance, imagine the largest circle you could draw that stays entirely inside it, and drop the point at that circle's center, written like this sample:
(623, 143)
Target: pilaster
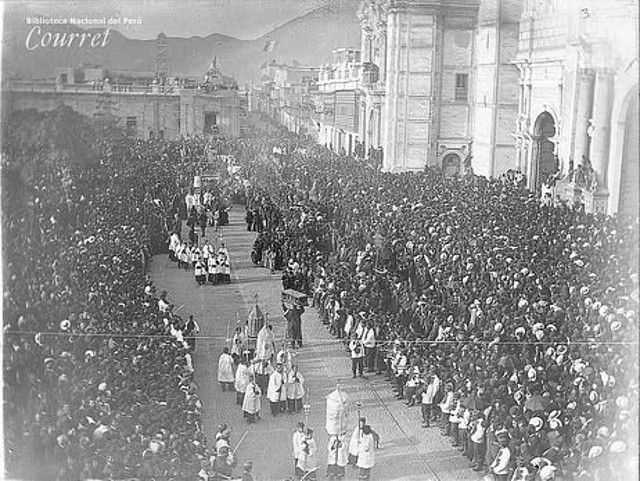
(583, 114)
(601, 124)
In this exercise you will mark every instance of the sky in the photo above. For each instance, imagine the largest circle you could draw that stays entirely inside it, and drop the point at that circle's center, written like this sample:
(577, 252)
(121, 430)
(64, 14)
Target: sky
(243, 19)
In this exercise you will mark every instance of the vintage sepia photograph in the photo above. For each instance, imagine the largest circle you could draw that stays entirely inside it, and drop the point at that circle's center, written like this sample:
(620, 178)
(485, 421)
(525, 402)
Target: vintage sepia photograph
(305, 240)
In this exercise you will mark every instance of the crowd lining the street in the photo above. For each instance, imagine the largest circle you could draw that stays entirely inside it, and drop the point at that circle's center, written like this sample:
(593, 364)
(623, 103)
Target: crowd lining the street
(511, 322)
(98, 370)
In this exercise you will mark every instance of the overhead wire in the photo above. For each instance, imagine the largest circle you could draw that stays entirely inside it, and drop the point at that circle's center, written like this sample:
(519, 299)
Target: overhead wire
(321, 341)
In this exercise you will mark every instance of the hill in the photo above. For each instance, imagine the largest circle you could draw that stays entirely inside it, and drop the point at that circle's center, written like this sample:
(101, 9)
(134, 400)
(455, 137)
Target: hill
(308, 39)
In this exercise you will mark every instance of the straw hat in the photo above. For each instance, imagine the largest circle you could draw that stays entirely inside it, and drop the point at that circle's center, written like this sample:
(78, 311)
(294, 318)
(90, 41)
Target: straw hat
(536, 422)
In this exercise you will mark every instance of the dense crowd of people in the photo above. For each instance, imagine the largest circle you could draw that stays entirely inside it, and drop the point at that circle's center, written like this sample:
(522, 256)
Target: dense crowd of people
(512, 320)
(98, 374)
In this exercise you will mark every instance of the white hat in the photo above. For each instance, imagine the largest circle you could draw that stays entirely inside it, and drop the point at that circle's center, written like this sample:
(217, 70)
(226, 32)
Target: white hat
(555, 414)
(536, 422)
(618, 447)
(547, 473)
(555, 423)
(622, 402)
(594, 452)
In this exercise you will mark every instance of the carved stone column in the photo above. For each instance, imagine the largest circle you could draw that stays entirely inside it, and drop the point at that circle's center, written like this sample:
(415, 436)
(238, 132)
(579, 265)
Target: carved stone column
(601, 125)
(391, 81)
(583, 114)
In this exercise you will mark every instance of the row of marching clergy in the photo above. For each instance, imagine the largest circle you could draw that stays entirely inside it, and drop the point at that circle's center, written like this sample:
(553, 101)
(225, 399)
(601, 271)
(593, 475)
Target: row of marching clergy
(275, 375)
(285, 389)
(208, 264)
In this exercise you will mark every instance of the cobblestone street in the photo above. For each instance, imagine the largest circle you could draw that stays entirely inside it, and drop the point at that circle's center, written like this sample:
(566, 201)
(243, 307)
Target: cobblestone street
(407, 451)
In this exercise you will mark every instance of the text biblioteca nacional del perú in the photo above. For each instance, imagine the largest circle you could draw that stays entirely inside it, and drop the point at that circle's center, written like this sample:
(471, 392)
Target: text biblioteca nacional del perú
(77, 21)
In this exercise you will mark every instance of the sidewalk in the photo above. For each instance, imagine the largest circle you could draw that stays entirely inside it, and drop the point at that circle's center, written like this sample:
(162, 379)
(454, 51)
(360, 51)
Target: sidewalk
(407, 451)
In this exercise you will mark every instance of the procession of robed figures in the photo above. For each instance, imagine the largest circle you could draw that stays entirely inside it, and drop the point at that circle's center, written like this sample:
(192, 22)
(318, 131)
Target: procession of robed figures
(253, 366)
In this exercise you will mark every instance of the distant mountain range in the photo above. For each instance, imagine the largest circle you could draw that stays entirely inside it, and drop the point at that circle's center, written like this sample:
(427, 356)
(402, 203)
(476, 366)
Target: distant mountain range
(308, 39)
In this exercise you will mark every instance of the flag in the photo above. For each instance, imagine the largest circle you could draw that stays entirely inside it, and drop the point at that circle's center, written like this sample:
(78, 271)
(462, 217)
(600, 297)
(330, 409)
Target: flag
(269, 46)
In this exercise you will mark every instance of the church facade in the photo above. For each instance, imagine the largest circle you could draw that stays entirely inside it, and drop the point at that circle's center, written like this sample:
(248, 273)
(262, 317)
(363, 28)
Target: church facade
(538, 86)
(577, 129)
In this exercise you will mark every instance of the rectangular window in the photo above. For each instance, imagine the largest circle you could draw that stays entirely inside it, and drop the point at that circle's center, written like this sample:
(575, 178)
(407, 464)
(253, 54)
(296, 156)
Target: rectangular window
(131, 125)
(462, 87)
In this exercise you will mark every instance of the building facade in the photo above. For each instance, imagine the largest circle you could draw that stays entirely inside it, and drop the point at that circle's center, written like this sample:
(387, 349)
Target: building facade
(578, 116)
(545, 87)
(371, 89)
(495, 87)
(287, 94)
(426, 116)
(141, 103)
(337, 101)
